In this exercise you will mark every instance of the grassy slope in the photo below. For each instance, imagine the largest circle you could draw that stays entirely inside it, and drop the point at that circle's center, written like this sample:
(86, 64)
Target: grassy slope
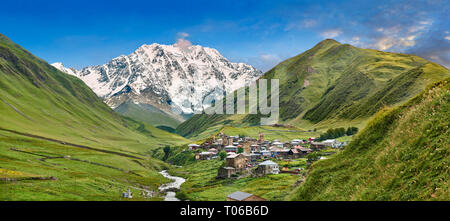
(75, 179)
(333, 85)
(147, 114)
(403, 154)
(37, 99)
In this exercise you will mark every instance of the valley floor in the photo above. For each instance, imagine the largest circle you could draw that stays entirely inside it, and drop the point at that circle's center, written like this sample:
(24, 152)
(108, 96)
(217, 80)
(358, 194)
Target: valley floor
(39, 169)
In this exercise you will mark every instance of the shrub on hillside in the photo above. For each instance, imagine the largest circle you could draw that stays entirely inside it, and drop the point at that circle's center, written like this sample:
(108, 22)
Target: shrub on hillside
(338, 132)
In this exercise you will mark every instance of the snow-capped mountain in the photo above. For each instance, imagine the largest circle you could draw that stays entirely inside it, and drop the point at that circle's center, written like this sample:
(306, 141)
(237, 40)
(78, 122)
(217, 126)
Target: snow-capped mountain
(61, 67)
(165, 76)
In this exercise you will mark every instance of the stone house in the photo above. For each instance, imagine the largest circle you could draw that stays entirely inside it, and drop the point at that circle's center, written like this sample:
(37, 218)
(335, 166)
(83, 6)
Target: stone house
(234, 163)
(302, 150)
(238, 161)
(225, 172)
(267, 167)
(294, 153)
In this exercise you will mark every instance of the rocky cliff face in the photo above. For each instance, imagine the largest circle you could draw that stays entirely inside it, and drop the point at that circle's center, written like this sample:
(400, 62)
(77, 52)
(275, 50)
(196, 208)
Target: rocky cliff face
(165, 76)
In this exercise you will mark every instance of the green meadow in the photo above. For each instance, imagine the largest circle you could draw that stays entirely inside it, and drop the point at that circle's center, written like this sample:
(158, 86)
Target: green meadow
(79, 174)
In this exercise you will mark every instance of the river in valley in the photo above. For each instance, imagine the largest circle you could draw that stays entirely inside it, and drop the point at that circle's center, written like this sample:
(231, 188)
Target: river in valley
(170, 188)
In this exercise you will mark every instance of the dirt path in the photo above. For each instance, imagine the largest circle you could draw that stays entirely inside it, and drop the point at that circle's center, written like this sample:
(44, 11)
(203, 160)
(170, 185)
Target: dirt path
(17, 110)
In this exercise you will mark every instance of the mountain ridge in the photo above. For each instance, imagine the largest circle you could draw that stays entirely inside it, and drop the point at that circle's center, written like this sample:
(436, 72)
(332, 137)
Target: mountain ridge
(168, 77)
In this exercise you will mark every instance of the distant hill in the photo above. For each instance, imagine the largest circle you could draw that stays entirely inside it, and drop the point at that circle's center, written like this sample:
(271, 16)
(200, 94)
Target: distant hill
(403, 154)
(335, 84)
(148, 114)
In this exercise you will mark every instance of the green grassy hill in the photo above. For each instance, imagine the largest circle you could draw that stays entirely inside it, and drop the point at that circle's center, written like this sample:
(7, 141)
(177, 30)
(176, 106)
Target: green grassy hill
(148, 114)
(402, 154)
(47, 116)
(333, 85)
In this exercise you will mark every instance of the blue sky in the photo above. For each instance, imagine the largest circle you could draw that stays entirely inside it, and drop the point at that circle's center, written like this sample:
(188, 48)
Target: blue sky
(261, 33)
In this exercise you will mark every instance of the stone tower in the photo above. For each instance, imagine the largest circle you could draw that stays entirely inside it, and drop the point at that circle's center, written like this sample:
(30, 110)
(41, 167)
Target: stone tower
(261, 137)
(230, 141)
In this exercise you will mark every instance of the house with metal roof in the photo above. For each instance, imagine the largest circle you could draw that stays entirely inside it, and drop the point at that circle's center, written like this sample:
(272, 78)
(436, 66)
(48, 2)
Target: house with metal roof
(278, 144)
(329, 142)
(193, 146)
(243, 196)
(267, 167)
(231, 148)
(205, 155)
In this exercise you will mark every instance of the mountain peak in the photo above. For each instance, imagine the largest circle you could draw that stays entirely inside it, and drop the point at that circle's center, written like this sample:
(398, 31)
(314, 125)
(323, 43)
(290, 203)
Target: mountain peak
(329, 41)
(165, 75)
(60, 66)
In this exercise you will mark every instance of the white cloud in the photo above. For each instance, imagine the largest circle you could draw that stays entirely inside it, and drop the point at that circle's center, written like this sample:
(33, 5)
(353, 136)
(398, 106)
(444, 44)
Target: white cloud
(426, 22)
(182, 42)
(398, 37)
(385, 43)
(331, 33)
(182, 35)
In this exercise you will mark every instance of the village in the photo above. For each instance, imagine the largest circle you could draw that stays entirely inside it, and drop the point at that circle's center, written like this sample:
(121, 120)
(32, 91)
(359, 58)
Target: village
(246, 156)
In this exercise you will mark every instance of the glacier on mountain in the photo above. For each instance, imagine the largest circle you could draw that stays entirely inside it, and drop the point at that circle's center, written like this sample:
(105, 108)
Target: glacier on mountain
(168, 77)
